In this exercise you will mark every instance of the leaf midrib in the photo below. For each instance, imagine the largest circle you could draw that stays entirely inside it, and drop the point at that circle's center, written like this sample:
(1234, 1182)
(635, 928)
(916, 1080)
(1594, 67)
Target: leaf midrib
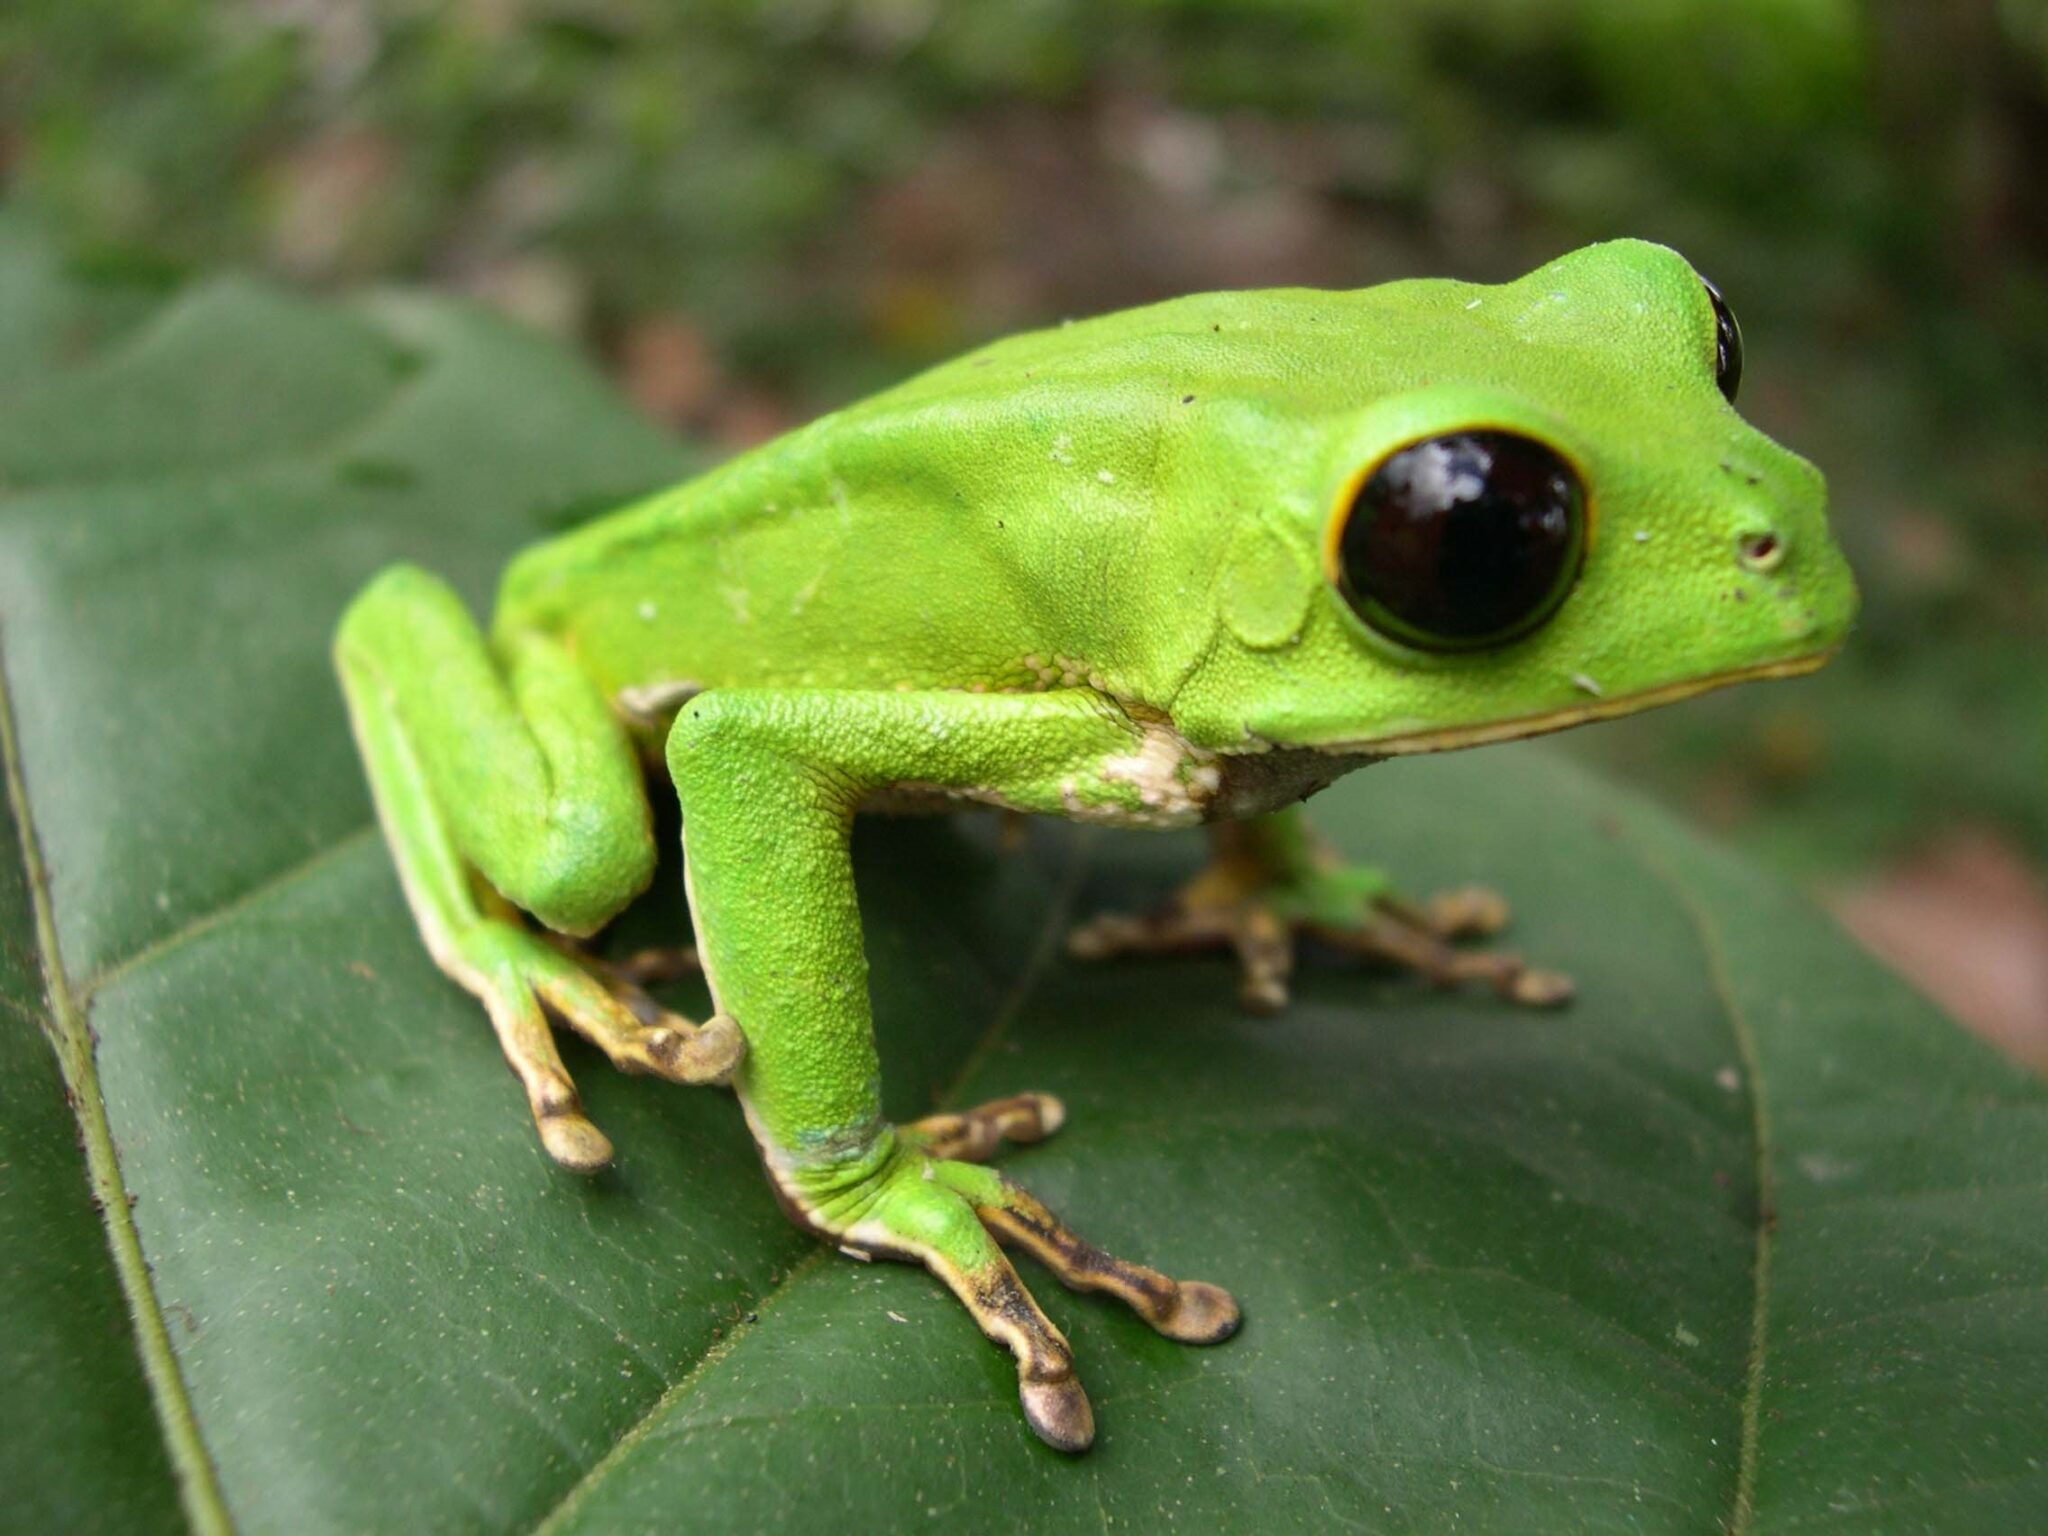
(71, 1041)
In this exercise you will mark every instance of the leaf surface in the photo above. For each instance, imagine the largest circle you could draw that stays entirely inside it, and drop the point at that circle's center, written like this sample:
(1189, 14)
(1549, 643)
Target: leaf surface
(1749, 1237)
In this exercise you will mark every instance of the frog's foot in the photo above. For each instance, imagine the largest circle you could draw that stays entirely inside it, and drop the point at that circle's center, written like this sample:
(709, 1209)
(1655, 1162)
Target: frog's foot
(1235, 906)
(949, 1215)
(524, 979)
(974, 1135)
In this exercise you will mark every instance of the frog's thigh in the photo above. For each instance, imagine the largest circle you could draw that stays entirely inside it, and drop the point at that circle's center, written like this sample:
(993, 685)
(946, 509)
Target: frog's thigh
(513, 768)
(769, 781)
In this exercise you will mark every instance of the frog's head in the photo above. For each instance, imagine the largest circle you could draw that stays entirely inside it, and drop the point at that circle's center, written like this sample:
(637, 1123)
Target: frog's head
(1546, 512)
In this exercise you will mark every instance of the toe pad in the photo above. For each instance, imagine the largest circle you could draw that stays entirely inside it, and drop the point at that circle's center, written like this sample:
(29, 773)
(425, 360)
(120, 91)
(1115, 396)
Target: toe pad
(1059, 1414)
(575, 1143)
(1207, 1314)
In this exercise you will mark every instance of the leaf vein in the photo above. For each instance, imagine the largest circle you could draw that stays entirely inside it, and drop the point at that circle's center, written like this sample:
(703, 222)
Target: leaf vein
(207, 921)
(1743, 1518)
(1939, 1304)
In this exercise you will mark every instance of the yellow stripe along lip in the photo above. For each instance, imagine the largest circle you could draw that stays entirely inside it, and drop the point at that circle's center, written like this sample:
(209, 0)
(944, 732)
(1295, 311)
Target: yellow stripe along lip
(1452, 737)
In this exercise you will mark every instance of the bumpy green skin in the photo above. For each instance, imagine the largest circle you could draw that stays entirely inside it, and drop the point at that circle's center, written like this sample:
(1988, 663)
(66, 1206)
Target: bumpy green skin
(1147, 494)
(1080, 572)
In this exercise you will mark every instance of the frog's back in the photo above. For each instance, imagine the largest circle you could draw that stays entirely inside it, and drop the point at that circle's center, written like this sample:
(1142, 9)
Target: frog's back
(985, 523)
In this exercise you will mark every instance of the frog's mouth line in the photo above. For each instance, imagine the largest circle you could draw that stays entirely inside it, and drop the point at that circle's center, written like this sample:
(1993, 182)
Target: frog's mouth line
(1453, 737)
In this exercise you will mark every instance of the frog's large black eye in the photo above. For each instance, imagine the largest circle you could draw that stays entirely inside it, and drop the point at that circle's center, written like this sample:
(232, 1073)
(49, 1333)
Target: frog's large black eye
(1727, 344)
(1463, 541)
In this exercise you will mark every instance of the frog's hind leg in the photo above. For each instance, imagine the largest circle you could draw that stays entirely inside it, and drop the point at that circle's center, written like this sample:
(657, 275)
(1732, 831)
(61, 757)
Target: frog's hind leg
(503, 782)
(1272, 881)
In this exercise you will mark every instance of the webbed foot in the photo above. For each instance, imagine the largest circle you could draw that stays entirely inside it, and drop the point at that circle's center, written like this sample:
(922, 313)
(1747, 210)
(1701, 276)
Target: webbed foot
(1264, 891)
(919, 1198)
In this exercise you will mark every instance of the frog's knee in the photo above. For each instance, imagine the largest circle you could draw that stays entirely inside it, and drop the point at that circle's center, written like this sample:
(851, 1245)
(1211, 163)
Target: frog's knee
(582, 875)
(402, 585)
(389, 602)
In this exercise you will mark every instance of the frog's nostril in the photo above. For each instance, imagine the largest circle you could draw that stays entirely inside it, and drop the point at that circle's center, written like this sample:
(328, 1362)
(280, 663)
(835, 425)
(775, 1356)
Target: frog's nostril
(1761, 551)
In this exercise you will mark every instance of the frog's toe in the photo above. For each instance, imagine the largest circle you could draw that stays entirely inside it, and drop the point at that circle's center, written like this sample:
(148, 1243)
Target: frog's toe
(1468, 912)
(529, 1047)
(1206, 1314)
(1396, 935)
(525, 979)
(571, 1140)
(975, 1135)
(696, 1053)
(637, 1033)
(1262, 941)
(916, 1216)
(1055, 1404)
(1190, 1311)
(1171, 929)
(1541, 989)
(1059, 1413)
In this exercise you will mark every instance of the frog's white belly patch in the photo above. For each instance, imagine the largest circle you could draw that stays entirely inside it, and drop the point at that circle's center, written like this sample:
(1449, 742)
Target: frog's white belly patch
(1178, 784)
(1175, 779)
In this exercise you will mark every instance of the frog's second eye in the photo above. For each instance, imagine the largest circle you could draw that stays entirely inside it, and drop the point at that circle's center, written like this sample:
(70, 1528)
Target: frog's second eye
(1727, 344)
(1463, 541)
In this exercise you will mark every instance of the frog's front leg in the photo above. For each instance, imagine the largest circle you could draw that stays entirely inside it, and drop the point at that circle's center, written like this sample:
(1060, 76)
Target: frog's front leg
(1272, 879)
(502, 781)
(769, 783)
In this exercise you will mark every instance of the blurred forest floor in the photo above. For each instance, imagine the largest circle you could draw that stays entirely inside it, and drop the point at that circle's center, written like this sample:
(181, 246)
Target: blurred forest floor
(754, 209)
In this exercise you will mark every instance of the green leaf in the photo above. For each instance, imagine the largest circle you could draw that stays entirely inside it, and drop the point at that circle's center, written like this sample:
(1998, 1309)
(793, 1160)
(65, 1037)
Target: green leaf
(1747, 1238)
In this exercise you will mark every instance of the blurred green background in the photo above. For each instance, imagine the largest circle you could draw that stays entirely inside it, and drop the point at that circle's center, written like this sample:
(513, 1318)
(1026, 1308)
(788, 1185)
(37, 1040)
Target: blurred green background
(750, 210)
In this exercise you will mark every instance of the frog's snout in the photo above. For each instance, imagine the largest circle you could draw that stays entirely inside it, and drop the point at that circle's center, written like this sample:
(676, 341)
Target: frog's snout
(1781, 551)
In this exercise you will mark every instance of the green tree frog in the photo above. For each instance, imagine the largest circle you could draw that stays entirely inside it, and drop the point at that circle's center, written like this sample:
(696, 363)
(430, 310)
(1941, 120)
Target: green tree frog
(1182, 564)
